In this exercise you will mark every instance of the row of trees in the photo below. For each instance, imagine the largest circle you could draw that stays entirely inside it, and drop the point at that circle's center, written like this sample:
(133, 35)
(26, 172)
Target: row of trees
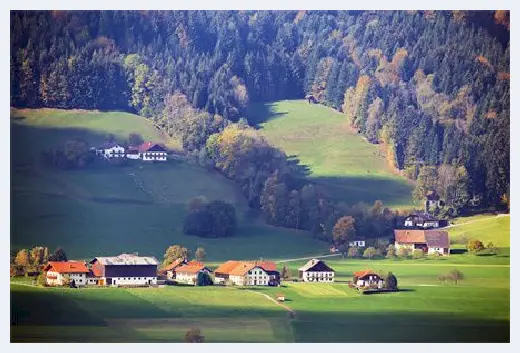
(432, 86)
(176, 252)
(32, 260)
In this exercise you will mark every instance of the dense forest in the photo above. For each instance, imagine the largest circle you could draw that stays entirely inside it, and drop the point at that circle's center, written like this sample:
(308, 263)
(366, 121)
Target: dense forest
(431, 86)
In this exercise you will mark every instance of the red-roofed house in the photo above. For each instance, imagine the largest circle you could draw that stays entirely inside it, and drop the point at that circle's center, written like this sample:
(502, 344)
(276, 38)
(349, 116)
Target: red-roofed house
(148, 151)
(248, 273)
(431, 241)
(58, 273)
(170, 270)
(368, 278)
(188, 273)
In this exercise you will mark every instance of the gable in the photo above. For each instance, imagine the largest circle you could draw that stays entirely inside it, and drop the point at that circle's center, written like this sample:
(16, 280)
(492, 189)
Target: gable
(320, 267)
(156, 148)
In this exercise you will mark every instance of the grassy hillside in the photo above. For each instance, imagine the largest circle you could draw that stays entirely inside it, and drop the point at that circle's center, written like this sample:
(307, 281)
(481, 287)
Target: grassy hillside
(424, 311)
(495, 229)
(135, 208)
(351, 168)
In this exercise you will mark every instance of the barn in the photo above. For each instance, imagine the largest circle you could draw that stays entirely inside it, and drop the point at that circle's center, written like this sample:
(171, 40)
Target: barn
(125, 270)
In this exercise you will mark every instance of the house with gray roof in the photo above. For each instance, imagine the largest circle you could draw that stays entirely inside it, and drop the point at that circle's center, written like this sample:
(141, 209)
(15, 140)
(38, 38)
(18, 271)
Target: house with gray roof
(316, 271)
(125, 270)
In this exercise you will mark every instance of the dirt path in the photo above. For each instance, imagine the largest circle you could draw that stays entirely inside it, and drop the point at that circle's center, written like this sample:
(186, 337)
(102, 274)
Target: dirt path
(292, 313)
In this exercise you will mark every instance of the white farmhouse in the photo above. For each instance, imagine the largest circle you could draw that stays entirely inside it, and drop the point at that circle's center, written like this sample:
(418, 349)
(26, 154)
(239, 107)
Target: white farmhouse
(111, 150)
(316, 271)
(59, 273)
(189, 272)
(148, 151)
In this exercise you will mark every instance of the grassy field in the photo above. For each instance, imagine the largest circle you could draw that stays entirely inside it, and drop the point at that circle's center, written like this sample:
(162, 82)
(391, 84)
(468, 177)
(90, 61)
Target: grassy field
(352, 169)
(425, 310)
(108, 210)
(144, 315)
(486, 228)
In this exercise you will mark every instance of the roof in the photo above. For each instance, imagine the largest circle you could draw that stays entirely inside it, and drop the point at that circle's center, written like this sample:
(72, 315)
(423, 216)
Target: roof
(437, 239)
(240, 268)
(67, 266)
(107, 145)
(126, 260)
(314, 262)
(148, 146)
(227, 266)
(192, 267)
(409, 236)
(95, 272)
(174, 265)
(363, 273)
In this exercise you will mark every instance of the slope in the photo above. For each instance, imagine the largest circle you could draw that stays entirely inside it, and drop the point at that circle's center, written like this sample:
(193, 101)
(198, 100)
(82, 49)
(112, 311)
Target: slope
(352, 169)
(108, 210)
(495, 229)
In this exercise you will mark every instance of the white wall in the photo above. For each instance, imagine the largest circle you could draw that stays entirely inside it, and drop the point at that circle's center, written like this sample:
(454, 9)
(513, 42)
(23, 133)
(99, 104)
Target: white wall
(432, 251)
(257, 274)
(114, 152)
(309, 276)
(153, 156)
(132, 281)
(80, 279)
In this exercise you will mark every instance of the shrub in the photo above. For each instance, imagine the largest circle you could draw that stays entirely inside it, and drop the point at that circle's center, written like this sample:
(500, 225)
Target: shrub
(418, 253)
(402, 252)
(436, 254)
(390, 251)
(391, 282)
(353, 252)
(370, 252)
(475, 246)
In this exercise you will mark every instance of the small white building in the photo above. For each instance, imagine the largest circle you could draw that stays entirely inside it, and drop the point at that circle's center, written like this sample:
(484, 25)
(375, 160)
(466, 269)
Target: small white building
(316, 271)
(111, 150)
(148, 151)
(59, 273)
(357, 243)
(248, 273)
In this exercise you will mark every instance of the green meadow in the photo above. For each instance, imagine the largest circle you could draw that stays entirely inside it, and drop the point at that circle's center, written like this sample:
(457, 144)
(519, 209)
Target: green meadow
(486, 228)
(424, 310)
(352, 169)
(140, 207)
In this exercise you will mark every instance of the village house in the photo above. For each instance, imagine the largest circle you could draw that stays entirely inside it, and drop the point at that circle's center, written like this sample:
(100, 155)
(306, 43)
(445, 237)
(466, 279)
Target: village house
(148, 151)
(188, 273)
(125, 270)
(111, 150)
(247, 273)
(60, 273)
(424, 221)
(316, 271)
(358, 242)
(169, 270)
(433, 201)
(431, 241)
(368, 279)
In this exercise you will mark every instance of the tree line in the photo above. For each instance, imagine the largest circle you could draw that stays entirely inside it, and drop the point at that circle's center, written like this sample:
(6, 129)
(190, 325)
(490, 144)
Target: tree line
(431, 86)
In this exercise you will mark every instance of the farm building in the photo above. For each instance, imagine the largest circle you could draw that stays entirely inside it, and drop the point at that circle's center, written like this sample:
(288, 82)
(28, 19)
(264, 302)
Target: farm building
(188, 273)
(358, 242)
(148, 151)
(111, 150)
(368, 279)
(125, 270)
(424, 221)
(59, 273)
(248, 273)
(169, 270)
(431, 241)
(316, 271)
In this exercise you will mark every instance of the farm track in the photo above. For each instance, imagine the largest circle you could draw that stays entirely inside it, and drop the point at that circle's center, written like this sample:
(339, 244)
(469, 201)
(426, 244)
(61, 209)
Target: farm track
(292, 313)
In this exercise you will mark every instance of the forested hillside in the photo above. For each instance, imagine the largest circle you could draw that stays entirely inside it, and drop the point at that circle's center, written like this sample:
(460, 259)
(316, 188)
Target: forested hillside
(431, 86)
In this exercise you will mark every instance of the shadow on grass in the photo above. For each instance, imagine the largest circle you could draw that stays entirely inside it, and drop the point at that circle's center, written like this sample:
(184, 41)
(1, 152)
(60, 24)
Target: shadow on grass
(260, 113)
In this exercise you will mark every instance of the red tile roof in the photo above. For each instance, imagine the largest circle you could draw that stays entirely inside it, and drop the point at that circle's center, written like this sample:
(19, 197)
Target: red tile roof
(240, 268)
(174, 265)
(363, 273)
(191, 267)
(66, 267)
(227, 266)
(409, 236)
